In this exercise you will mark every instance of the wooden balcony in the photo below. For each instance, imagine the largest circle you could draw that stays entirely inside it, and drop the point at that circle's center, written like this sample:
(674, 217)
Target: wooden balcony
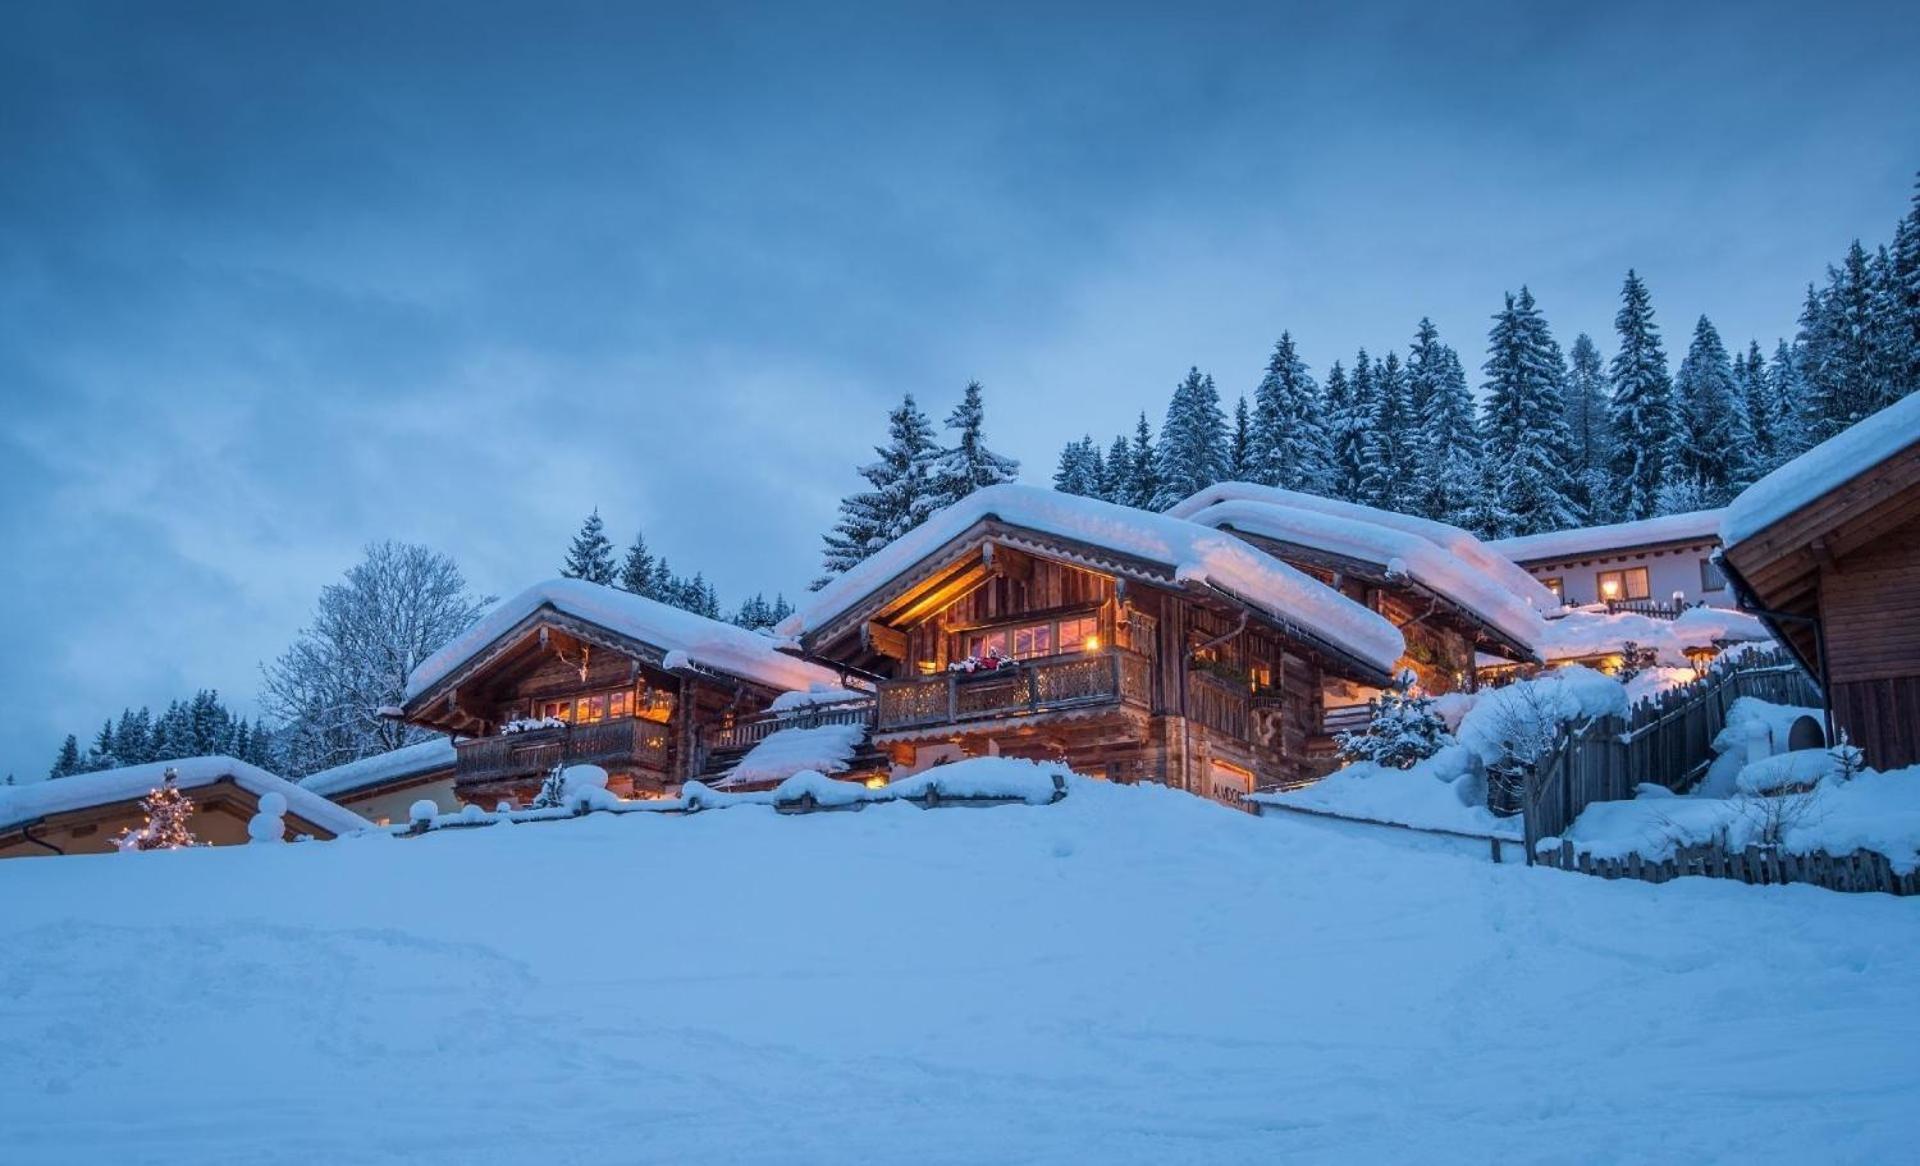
(623, 745)
(1034, 688)
(750, 731)
(1219, 703)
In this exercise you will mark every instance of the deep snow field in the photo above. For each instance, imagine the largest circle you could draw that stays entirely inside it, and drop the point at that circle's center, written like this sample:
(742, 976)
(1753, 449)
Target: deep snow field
(1131, 975)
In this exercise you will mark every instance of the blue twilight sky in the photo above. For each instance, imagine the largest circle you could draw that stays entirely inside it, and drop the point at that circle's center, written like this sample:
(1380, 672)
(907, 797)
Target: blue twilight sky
(277, 280)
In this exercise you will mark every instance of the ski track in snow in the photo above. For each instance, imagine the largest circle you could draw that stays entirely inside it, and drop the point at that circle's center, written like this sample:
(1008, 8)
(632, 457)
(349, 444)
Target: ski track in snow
(1128, 976)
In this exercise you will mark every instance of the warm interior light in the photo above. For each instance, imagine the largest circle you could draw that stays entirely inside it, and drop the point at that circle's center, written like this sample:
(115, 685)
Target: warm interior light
(928, 667)
(1610, 589)
(876, 782)
(1093, 643)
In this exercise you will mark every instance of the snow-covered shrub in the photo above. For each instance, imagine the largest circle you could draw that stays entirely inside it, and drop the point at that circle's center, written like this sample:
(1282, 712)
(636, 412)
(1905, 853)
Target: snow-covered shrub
(1635, 659)
(424, 810)
(1516, 728)
(553, 790)
(577, 787)
(1848, 760)
(1404, 729)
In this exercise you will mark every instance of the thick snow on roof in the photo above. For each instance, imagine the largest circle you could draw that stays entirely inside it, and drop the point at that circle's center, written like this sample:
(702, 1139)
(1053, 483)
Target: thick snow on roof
(24, 803)
(1825, 467)
(707, 643)
(1194, 552)
(406, 761)
(1581, 633)
(1586, 540)
(785, 752)
(1451, 539)
(1397, 551)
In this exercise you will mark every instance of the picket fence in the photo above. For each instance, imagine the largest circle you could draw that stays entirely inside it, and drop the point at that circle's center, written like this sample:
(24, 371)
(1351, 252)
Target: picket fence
(1863, 870)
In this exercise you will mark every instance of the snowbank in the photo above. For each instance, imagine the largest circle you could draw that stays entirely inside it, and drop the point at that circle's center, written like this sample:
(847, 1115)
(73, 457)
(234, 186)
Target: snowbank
(394, 765)
(1193, 552)
(1586, 540)
(1826, 467)
(1561, 696)
(784, 752)
(24, 803)
(1395, 551)
(1452, 539)
(1440, 793)
(1122, 978)
(681, 635)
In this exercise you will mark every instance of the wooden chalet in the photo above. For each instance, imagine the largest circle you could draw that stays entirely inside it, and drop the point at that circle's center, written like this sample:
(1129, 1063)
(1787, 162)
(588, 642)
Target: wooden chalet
(1137, 647)
(570, 672)
(84, 813)
(1826, 550)
(1447, 610)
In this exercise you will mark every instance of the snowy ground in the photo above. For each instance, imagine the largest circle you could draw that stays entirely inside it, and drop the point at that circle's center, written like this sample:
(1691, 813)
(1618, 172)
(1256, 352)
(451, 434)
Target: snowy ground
(1129, 976)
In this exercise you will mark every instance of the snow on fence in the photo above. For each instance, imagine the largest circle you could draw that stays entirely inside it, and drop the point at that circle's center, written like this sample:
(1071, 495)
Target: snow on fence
(1667, 740)
(1862, 870)
(750, 731)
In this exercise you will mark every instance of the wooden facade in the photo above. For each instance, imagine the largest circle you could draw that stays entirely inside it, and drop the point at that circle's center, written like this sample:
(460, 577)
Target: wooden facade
(1120, 670)
(1838, 581)
(623, 708)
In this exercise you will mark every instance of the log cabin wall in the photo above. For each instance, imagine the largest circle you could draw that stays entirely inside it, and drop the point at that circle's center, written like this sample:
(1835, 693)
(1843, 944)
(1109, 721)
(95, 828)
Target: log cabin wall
(1867, 605)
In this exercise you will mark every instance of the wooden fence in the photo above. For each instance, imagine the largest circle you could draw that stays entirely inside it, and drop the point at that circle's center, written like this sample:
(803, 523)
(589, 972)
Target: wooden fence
(1667, 740)
(1863, 870)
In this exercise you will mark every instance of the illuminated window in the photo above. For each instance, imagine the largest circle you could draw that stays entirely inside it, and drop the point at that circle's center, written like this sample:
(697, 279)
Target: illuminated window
(559, 710)
(1074, 633)
(620, 704)
(1030, 641)
(1711, 578)
(1628, 584)
(1554, 585)
(592, 710)
(981, 644)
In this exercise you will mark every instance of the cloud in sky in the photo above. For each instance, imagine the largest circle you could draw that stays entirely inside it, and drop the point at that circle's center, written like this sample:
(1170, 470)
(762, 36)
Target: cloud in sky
(278, 281)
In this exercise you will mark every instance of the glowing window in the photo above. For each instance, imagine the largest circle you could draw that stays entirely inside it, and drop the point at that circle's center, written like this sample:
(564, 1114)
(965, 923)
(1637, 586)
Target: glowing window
(1628, 584)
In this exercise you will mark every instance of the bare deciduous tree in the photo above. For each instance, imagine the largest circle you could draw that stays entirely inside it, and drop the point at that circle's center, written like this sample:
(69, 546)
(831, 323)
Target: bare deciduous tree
(394, 609)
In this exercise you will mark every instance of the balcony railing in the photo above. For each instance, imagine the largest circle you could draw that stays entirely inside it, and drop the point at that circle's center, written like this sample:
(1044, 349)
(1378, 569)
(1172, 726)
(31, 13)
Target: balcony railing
(1218, 703)
(748, 732)
(626, 744)
(1028, 689)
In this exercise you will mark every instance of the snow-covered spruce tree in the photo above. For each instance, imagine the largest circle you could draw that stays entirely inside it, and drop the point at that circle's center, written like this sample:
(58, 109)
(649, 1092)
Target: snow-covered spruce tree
(1755, 395)
(1116, 483)
(67, 762)
(1240, 443)
(1288, 443)
(636, 570)
(1641, 413)
(1587, 429)
(1081, 470)
(1451, 475)
(168, 813)
(1840, 332)
(1904, 296)
(591, 555)
(1349, 408)
(1524, 424)
(1787, 391)
(1390, 439)
(1403, 731)
(900, 495)
(395, 608)
(1425, 358)
(1714, 445)
(968, 465)
(1193, 441)
(1144, 462)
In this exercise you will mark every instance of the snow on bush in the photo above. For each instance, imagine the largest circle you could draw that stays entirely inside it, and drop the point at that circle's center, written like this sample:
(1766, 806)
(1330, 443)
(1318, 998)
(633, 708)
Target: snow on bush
(1513, 729)
(985, 777)
(424, 810)
(1403, 728)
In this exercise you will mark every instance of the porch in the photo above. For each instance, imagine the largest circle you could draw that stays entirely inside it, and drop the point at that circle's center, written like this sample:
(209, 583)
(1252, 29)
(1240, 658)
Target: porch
(626, 745)
(1029, 688)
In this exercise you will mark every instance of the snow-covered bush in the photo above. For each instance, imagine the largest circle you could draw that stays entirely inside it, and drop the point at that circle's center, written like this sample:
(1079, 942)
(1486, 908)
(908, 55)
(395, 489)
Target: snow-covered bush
(424, 810)
(1516, 728)
(577, 787)
(1404, 728)
(1848, 760)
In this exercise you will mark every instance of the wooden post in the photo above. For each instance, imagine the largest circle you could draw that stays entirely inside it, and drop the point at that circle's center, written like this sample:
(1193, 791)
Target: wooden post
(953, 697)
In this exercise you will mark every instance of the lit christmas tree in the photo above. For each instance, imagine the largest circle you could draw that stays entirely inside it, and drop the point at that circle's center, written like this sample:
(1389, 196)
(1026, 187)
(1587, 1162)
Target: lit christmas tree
(168, 811)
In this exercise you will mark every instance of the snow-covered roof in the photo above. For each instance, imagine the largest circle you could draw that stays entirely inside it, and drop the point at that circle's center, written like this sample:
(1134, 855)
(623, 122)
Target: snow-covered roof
(381, 768)
(785, 752)
(1396, 551)
(680, 635)
(1616, 536)
(25, 803)
(1194, 553)
(1824, 468)
(1451, 539)
(1579, 633)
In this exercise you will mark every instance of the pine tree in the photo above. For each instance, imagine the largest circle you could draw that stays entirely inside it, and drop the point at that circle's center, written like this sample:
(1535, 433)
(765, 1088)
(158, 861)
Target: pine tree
(1144, 462)
(1425, 360)
(67, 761)
(1350, 416)
(1116, 484)
(1288, 445)
(591, 555)
(1193, 441)
(969, 464)
(1904, 296)
(1592, 446)
(1390, 439)
(1715, 446)
(1755, 395)
(1081, 470)
(1840, 333)
(1240, 444)
(901, 495)
(1786, 392)
(636, 570)
(1452, 466)
(101, 756)
(1641, 412)
(1524, 427)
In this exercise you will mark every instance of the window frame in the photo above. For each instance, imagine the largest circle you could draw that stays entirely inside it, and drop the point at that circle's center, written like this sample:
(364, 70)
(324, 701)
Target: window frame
(1712, 578)
(1624, 575)
(973, 642)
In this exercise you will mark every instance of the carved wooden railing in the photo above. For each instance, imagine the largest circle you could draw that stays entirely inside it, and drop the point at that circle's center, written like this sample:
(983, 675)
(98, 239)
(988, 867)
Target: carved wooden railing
(1033, 687)
(751, 731)
(626, 743)
(1218, 703)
